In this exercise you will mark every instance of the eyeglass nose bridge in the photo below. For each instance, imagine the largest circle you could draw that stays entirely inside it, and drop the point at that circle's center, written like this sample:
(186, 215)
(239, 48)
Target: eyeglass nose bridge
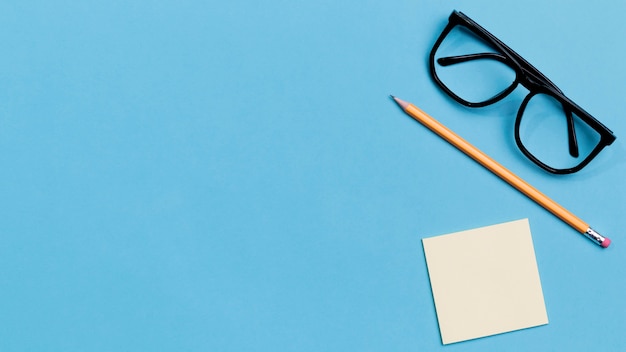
(534, 81)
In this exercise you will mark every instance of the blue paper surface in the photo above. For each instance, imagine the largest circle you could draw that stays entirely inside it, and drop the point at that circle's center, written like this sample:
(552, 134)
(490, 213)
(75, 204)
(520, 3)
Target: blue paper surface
(232, 176)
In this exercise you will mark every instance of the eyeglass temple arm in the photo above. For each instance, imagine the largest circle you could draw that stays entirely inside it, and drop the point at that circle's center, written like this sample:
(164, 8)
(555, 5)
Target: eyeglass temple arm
(453, 60)
(571, 134)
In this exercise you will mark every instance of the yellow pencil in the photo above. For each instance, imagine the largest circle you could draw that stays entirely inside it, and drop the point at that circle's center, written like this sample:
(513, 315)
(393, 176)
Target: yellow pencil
(502, 172)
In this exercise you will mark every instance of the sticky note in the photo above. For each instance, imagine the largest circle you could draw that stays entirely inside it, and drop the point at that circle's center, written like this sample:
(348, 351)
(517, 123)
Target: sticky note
(485, 281)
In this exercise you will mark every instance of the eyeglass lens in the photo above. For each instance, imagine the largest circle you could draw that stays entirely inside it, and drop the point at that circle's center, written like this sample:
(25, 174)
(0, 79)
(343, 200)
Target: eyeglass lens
(543, 131)
(470, 68)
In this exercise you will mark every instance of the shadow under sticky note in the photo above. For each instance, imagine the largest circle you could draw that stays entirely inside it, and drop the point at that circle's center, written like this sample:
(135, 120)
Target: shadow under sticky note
(485, 281)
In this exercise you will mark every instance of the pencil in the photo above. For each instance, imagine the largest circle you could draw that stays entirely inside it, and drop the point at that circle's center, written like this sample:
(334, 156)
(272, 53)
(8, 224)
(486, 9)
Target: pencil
(502, 172)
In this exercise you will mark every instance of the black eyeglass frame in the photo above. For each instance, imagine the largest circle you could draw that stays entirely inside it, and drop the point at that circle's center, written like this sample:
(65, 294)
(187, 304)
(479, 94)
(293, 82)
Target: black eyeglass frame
(530, 78)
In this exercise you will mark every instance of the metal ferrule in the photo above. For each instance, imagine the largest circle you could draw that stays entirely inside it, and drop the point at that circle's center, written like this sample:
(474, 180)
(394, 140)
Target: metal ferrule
(594, 236)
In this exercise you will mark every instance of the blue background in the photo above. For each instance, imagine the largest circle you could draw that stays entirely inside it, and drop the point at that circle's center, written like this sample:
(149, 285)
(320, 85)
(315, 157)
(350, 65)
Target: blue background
(232, 176)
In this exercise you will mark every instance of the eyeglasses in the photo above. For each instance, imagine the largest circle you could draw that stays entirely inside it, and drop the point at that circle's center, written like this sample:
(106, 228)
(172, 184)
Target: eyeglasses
(476, 69)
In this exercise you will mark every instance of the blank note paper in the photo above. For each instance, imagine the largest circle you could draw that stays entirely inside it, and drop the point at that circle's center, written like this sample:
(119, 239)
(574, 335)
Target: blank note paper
(485, 281)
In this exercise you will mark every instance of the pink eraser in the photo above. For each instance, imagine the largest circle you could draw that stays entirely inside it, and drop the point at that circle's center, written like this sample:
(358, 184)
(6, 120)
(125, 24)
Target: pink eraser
(606, 242)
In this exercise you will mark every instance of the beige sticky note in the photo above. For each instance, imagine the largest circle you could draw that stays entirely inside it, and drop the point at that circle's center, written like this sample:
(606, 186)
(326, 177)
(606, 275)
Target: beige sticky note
(485, 281)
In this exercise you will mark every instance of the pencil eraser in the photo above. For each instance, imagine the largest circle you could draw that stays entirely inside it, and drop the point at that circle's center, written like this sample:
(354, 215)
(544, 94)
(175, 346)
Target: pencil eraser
(606, 242)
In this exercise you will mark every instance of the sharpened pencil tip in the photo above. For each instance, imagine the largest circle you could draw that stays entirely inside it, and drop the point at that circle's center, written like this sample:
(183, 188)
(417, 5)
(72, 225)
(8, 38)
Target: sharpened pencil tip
(403, 104)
